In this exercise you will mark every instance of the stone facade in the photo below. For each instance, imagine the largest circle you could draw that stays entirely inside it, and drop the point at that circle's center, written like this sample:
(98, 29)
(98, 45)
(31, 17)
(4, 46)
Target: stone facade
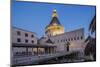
(27, 42)
(22, 36)
(75, 39)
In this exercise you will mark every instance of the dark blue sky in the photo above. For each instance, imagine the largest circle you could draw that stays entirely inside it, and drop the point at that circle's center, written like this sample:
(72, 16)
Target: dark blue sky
(36, 16)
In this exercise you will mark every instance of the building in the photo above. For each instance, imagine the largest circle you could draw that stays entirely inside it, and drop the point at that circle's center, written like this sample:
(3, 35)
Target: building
(20, 36)
(54, 28)
(74, 38)
(55, 42)
(54, 36)
(65, 41)
(27, 43)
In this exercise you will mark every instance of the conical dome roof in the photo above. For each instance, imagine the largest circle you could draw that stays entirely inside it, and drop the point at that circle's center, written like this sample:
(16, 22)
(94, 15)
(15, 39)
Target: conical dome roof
(54, 20)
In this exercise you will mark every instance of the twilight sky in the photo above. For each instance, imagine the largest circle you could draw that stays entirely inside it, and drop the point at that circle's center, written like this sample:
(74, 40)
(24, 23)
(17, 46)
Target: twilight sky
(35, 16)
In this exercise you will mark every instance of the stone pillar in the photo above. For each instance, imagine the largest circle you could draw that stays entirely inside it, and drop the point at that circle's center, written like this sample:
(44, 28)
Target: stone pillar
(37, 51)
(43, 50)
(32, 51)
(46, 50)
(50, 50)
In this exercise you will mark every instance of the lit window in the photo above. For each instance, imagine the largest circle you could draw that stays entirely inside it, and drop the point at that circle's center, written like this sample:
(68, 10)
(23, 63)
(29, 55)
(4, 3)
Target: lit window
(58, 28)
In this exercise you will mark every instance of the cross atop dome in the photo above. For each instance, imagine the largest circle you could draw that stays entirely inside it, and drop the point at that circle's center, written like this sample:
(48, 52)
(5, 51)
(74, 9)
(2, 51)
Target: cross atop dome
(54, 13)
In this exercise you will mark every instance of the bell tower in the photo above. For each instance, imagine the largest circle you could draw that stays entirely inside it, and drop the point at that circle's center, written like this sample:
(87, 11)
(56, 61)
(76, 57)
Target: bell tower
(54, 28)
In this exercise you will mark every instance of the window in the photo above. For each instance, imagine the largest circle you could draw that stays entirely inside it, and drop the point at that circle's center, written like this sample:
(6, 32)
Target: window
(58, 41)
(32, 35)
(77, 38)
(81, 37)
(66, 39)
(26, 41)
(18, 33)
(58, 28)
(26, 35)
(74, 38)
(71, 39)
(61, 40)
(18, 40)
(32, 41)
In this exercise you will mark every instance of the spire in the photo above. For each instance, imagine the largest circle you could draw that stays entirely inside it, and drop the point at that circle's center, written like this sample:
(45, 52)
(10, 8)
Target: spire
(54, 20)
(54, 28)
(54, 13)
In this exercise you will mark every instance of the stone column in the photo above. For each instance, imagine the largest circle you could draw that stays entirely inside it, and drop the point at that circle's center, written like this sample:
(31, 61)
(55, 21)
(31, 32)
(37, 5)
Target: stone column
(46, 50)
(50, 50)
(32, 51)
(43, 50)
(37, 51)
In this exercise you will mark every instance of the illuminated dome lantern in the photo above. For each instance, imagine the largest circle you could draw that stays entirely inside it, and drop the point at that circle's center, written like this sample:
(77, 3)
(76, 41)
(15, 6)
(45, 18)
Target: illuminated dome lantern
(54, 28)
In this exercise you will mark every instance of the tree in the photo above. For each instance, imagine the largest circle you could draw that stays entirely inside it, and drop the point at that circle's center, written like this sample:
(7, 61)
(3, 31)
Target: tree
(91, 42)
(90, 48)
(92, 27)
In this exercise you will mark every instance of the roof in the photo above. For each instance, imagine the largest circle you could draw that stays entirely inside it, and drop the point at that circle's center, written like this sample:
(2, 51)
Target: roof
(54, 19)
(23, 30)
(49, 41)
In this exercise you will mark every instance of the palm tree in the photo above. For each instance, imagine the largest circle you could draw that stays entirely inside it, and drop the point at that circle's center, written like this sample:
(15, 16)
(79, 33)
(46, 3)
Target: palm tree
(91, 42)
(90, 48)
(92, 27)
